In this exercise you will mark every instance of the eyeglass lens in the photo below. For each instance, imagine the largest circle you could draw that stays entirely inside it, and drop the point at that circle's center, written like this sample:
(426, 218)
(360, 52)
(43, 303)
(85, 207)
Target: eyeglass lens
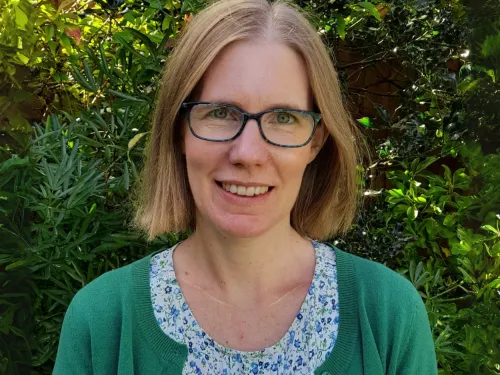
(219, 123)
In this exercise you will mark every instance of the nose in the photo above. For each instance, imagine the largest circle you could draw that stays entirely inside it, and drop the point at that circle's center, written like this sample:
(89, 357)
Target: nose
(249, 148)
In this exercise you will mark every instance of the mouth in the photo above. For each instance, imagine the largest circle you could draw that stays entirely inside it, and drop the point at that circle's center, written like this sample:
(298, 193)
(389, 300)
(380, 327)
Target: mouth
(244, 191)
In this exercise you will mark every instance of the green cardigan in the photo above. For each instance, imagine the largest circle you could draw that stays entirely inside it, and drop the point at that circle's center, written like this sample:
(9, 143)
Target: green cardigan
(110, 327)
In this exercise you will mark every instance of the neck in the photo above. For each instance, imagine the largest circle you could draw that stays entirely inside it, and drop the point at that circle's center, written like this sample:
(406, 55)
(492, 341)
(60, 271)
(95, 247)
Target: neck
(247, 271)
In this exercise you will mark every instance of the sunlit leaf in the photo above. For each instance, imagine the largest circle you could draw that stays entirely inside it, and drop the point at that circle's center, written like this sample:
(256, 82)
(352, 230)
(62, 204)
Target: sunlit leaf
(21, 17)
(135, 139)
(412, 213)
(366, 122)
(24, 59)
(166, 22)
(371, 9)
(340, 25)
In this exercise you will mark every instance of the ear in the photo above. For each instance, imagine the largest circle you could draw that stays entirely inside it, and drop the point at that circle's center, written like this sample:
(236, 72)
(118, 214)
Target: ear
(318, 140)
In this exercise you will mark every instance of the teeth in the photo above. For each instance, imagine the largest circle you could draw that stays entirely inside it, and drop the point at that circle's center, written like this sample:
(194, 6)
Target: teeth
(245, 191)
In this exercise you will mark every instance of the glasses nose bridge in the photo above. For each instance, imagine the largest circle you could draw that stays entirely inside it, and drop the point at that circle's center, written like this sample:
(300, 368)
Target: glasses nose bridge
(251, 116)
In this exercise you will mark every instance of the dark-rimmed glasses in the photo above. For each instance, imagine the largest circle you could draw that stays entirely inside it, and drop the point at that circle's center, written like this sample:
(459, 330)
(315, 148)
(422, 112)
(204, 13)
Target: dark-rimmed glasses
(216, 122)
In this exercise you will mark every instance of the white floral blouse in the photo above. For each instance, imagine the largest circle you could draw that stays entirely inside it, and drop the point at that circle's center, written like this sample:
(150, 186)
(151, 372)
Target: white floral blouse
(305, 346)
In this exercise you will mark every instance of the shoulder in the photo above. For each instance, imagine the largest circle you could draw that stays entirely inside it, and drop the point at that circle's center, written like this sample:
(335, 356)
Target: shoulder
(106, 295)
(380, 288)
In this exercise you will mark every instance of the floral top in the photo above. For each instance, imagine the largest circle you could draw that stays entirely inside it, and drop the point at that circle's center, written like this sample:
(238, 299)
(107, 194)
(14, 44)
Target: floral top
(305, 346)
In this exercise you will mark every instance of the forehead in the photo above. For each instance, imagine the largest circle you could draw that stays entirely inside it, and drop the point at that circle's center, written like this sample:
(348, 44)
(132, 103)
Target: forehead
(256, 76)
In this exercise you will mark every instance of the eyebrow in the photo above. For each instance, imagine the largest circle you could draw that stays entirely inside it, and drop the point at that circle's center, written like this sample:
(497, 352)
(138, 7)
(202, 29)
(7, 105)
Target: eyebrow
(269, 107)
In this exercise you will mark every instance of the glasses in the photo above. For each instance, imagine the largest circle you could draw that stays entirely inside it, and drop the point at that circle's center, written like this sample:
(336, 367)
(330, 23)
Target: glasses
(216, 122)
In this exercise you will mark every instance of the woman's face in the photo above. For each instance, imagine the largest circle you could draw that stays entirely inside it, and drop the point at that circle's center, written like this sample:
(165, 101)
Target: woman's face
(254, 77)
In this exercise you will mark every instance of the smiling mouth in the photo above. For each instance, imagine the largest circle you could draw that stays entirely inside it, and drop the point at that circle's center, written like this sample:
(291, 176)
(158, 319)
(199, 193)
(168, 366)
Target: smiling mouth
(244, 191)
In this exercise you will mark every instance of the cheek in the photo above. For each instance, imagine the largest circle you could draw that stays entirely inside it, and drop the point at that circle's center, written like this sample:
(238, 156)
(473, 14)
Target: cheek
(291, 166)
(202, 158)
(195, 162)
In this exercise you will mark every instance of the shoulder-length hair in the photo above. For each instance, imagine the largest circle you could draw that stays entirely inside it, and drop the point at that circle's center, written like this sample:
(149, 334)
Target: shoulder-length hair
(327, 198)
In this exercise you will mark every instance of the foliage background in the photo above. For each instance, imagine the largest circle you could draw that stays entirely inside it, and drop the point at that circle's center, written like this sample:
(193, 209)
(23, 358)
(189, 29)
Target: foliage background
(77, 87)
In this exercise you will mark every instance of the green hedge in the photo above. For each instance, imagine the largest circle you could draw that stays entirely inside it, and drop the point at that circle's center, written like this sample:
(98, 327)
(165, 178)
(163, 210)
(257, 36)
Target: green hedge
(78, 82)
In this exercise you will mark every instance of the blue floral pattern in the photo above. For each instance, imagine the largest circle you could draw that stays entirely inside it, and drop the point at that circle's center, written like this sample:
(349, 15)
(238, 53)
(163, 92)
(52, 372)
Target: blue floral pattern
(305, 346)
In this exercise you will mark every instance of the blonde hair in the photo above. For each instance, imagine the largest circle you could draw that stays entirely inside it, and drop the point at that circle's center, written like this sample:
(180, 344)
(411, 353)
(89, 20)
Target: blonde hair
(326, 202)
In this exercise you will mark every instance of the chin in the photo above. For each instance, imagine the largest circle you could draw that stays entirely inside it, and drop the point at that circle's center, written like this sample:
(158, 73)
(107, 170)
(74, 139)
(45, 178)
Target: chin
(242, 226)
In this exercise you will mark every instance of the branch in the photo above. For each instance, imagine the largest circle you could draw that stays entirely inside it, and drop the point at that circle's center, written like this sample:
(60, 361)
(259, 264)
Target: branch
(372, 93)
(368, 61)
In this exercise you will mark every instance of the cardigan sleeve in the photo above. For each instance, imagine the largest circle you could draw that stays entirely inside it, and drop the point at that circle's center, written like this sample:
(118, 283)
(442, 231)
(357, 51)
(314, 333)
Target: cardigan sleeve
(395, 331)
(74, 350)
(417, 355)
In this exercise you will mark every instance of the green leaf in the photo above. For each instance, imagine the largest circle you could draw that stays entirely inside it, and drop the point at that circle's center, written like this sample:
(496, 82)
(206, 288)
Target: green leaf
(371, 9)
(491, 229)
(135, 139)
(398, 193)
(104, 61)
(366, 122)
(125, 96)
(432, 227)
(413, 165)
(166, 22)
(25, 60)
(494, 284)
(129, 47)
(126, 176)
(491, 46)
(464, 234)
(144, 39)
(125, 35)
(400, 209)
(421, 199)
(88, 74)
(18, 122)
(15, 265)
(447, 173)
(21, 96)
(340, 26)
(495, 249)
(412, 213)
(467, 277)
(424, 164)
(53, 46)
(6, 320)
(21, 17)
(49, 32)
(449, 220)
(13, 162)
(82, 81)
(65, 42)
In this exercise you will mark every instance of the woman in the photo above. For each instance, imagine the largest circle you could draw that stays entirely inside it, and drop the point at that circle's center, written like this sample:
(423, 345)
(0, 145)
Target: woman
(251, 149)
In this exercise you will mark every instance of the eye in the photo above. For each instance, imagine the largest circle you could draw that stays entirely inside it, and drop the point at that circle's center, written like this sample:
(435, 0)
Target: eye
(284, 117)
(220, 113)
